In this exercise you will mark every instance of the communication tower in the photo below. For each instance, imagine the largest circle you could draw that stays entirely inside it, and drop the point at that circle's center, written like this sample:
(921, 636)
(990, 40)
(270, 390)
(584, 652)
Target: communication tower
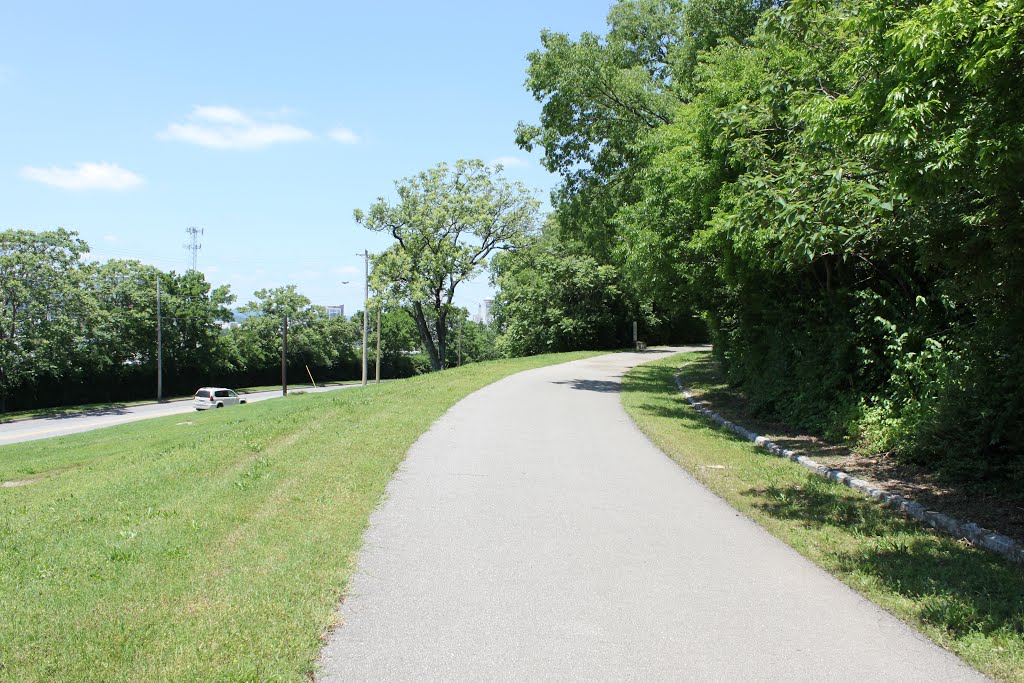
(193, 244)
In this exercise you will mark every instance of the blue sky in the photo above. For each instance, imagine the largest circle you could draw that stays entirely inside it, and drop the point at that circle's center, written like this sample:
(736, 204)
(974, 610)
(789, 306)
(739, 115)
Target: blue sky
(263, 124)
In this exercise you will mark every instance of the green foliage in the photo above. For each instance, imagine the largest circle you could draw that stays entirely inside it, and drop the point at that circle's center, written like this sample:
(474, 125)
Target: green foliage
(606, 103)
(555, 299)
(43, 306)
(401, 354)
(446, 224)
(313, 338)
(192, 313)
(126, 294)
(837, 188)
(73, 331)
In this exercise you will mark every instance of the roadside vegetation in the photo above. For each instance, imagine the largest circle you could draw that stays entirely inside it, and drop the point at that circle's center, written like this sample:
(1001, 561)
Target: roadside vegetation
(829, 190)
(832, 185)
(67, 411)
(965, 599)
(213, 546)
(446, 223)
(76, 332)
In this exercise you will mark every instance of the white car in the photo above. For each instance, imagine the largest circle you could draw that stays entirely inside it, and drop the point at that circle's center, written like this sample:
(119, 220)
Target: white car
(215, 397)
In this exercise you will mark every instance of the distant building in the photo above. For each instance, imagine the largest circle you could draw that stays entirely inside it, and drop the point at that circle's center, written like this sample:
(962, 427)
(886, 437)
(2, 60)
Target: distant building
(335, 311)
(484, 315)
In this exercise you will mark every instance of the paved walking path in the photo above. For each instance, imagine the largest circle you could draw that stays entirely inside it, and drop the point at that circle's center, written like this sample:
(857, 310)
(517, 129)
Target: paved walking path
(535, 534)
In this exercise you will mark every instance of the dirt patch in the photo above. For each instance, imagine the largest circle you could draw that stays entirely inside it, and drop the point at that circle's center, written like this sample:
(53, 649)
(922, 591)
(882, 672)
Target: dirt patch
(998, 511)
(12, 484)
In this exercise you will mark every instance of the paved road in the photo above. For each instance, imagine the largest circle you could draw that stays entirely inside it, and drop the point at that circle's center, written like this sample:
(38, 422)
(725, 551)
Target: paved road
(535, 534)
(61, 425)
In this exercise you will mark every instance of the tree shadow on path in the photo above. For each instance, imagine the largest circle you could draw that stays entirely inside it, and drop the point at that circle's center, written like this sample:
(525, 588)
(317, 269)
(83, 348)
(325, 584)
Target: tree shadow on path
(598, 385)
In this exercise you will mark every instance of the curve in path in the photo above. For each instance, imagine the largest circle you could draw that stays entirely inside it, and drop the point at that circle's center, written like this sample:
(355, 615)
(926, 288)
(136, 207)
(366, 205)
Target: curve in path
(533, 533)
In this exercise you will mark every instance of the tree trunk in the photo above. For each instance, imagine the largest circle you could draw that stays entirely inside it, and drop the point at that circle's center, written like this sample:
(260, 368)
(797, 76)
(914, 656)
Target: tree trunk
(424, 330)
(442, 338)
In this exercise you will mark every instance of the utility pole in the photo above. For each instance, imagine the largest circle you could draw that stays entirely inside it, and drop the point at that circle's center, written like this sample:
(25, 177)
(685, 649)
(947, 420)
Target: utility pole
(377, 374)
(366, 303)
(284, 358)
(159, 347)
(193, 245)
(460, 341)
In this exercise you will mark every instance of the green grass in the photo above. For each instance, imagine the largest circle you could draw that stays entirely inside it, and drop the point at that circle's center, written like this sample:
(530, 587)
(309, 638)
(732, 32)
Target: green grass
(212, 546)
(967, 600)
(72, 410)
(299, 386)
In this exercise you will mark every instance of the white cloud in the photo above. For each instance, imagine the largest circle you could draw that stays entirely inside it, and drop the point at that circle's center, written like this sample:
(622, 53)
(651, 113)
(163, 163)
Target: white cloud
(221, 115)
(84, 176)
(510, 162)
(110, 238)
(345, 136)
(229, 128)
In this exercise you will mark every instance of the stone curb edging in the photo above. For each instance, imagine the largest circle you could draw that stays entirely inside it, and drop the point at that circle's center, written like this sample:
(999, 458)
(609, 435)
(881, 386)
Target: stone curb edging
(990, 540)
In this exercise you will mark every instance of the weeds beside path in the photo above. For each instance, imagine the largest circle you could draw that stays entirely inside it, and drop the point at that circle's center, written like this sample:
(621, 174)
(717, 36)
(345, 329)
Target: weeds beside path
(965, 599)
(209, 548)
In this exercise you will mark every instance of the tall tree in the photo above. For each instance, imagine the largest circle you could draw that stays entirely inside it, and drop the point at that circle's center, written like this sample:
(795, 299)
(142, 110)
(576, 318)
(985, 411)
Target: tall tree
(125, 291)
(837, 187)
(44, 308)
(446, 224)
(192, 320)
(312, 336)
(605, 104)
(553, 298)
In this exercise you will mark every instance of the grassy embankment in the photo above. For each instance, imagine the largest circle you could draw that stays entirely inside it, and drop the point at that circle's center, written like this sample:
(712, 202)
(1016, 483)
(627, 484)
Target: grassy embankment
(210, 546)
(967, 600)
(68, 411)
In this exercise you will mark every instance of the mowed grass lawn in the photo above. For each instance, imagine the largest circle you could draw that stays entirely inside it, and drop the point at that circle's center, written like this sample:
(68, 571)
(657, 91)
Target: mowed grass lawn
(967, 600)
(73, 410)
(211, 546)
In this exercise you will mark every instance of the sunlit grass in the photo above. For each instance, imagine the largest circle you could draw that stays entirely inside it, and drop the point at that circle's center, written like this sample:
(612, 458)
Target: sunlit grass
(208, 546)
(72, 410)
(968, 600)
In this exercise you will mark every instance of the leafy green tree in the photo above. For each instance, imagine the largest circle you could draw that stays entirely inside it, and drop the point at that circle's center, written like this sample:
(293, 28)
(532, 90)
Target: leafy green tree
(472, 341)
(837, 189)
(446, 224)
(398, 332)
(192, 316)
(552, 298)
(598, 97)
(479, 342)
(605, 104)
(936, 103)
(125, 291)
(44, 307)
(313, 338)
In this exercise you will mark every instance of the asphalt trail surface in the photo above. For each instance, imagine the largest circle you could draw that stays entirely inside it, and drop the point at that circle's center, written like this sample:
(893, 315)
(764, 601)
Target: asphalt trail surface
(534, 533)
(72, 423)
